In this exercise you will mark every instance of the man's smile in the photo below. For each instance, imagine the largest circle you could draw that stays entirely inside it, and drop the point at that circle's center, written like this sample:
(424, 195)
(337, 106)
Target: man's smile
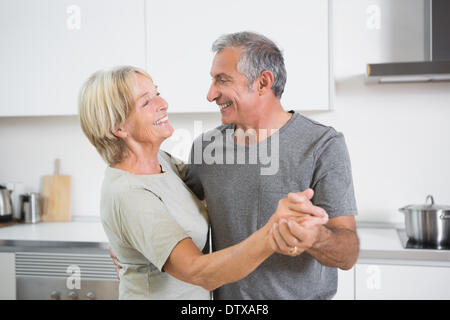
(225, 105)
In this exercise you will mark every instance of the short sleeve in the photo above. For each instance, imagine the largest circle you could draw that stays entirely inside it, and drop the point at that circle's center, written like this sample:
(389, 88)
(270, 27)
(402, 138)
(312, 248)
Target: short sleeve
(191, 175)
(332, 179)
(148, 226)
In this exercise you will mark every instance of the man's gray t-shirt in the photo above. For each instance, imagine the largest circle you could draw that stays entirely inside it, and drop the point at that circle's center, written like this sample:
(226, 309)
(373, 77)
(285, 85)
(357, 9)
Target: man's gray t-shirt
(242, 196)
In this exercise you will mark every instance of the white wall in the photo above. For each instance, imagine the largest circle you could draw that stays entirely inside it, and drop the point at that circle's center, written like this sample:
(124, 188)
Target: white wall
(398, 135)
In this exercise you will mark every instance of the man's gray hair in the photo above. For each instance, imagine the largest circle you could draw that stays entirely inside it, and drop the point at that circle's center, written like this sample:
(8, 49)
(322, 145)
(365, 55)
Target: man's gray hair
(258, 54)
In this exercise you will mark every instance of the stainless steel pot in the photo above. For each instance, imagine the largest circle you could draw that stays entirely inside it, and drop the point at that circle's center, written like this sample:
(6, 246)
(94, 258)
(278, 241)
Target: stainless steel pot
(30, 207)
(428, 223)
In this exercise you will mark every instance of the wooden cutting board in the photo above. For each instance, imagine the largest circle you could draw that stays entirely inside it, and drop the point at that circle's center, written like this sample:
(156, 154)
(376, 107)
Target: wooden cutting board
(56, 197)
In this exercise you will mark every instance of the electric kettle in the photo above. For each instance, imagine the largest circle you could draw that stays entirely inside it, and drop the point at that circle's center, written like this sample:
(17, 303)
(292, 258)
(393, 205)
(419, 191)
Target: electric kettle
(6, 211)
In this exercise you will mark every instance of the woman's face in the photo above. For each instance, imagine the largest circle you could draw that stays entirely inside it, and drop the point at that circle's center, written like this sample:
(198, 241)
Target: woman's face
(148, 122)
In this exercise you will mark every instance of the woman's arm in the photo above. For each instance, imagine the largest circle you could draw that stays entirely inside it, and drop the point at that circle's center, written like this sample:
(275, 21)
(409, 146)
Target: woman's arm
(210, 271)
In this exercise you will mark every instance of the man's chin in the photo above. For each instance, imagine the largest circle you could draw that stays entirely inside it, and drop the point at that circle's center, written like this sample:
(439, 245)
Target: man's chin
(226, 120)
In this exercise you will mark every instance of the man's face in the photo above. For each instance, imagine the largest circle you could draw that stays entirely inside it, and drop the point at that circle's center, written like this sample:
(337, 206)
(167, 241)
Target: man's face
(229, 89)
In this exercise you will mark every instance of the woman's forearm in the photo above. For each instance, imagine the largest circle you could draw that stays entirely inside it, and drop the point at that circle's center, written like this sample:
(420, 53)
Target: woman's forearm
(211, 271)
(233, 263)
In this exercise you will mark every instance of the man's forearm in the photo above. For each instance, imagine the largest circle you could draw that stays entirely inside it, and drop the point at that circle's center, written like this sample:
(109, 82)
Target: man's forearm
(336, 247)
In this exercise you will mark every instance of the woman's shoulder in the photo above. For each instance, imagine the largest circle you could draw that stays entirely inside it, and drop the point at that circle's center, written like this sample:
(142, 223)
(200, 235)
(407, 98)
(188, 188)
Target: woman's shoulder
(173, 163)
(115, 182)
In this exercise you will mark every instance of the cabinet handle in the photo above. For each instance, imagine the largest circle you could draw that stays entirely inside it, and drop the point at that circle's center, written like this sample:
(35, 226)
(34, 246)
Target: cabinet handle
(73, 295)
(91, 296)
(55, 295)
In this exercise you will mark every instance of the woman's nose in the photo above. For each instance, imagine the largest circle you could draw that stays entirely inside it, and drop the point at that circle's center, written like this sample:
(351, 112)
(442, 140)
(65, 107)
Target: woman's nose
(163, 106)
(213, 93)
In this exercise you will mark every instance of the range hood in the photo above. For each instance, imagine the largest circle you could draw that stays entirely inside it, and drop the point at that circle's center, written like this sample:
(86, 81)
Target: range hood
(437, 47)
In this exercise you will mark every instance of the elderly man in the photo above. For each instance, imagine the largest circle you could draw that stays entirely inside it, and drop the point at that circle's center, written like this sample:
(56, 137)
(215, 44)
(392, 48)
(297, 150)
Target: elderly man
(242, 191)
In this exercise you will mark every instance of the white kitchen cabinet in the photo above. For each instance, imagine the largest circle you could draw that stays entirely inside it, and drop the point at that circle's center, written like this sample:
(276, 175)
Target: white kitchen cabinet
(7, 276)
(180, 34)
(377, 281)
(49, 48)
(346, 285)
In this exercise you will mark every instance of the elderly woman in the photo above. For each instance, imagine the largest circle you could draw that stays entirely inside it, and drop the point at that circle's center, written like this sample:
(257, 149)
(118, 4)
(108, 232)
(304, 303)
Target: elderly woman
(156, 226)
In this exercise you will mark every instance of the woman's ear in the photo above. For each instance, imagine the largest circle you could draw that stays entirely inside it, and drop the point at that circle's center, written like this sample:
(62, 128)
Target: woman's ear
(120, 132)
(265, 82)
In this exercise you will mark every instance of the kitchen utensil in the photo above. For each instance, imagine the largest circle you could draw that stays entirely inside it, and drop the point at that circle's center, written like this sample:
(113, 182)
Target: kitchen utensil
(428, 223)
(56, 196)
(17, 189)
(30, 204)
(6, 210)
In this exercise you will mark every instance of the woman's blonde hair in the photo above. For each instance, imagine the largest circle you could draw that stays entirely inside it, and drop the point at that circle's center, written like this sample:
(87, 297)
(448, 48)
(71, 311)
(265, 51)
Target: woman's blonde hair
(105, 101)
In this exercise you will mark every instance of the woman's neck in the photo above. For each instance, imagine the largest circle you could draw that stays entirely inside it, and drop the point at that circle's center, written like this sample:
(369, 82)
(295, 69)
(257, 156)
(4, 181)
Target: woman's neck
(141, 160)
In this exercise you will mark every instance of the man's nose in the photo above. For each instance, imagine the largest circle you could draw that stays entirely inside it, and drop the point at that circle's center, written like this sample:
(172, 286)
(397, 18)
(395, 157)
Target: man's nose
(213, 93)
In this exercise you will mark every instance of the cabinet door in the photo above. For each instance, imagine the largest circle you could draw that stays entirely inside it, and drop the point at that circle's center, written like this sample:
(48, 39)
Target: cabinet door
(402, 282)
(7, 276)
(346, 285)
(49, 48)
(180, 34)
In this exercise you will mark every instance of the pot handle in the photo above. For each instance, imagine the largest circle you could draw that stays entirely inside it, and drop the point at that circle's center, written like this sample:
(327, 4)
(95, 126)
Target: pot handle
(431, 198)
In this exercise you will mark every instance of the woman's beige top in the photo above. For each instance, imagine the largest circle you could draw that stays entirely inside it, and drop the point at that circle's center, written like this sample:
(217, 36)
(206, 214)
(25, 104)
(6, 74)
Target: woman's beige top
(144, 217)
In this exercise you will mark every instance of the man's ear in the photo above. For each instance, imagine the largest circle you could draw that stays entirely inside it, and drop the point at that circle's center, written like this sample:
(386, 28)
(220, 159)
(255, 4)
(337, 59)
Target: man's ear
(265, 82)
(120, 132)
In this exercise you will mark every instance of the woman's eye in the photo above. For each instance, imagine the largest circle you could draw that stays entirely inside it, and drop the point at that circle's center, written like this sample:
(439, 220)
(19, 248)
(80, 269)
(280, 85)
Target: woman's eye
(146, 103)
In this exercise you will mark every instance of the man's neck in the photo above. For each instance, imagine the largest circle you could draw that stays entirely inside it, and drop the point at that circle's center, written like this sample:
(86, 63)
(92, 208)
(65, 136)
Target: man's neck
(267, 122)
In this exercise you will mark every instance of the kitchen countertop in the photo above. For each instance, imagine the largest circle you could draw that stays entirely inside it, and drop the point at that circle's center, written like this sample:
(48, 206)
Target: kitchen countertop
(56, 231)
(377, 244)
(383, 245)
(79, 237)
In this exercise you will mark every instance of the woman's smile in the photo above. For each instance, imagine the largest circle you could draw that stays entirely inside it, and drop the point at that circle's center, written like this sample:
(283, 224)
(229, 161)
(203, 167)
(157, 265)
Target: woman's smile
(164, 120)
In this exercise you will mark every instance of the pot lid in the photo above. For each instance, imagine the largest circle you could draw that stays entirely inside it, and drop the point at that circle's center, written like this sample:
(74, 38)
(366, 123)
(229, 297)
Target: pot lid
(429, 205)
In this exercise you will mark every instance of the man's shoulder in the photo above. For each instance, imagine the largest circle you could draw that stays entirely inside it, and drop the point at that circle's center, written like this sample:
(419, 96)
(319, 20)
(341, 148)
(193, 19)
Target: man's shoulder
(309, 127)
(306, 133)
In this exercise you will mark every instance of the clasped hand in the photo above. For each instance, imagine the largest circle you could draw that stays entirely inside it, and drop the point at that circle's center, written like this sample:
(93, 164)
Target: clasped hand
(295, 225)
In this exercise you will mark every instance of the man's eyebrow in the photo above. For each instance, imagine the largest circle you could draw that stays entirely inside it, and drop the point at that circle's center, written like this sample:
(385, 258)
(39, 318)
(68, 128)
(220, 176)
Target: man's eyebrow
(222, 75)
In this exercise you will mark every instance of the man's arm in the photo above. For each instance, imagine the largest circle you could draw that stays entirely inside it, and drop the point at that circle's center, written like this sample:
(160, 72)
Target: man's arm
(334, 244)
(337, 243)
